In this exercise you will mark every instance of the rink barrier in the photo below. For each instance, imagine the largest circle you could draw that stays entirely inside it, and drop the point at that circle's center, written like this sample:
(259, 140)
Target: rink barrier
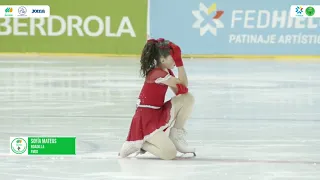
(196, 42)
(236, 28)
(188, 56)
(95, 26)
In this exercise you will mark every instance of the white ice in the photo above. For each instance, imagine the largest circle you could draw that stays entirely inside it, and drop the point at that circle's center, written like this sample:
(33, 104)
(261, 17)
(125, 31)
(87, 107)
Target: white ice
(253, 120)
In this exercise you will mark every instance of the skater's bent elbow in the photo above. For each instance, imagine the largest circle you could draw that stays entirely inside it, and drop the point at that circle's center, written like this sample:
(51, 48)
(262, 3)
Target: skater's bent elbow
(172, 82)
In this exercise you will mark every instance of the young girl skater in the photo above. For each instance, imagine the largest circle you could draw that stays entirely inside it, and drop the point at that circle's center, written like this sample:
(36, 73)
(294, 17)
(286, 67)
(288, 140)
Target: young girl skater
(154, 117)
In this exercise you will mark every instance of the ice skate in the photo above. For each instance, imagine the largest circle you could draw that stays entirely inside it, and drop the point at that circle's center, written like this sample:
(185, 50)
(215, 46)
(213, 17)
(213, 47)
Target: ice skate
(142, 151)
(128, 148)
(177, 136)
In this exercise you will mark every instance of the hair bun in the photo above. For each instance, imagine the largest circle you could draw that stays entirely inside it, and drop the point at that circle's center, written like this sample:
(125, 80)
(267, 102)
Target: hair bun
(152, 41)
(160, 39)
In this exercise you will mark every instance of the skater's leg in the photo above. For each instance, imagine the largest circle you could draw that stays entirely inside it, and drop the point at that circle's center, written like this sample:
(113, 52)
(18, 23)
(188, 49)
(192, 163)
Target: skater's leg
(161, 146)
(183, 105)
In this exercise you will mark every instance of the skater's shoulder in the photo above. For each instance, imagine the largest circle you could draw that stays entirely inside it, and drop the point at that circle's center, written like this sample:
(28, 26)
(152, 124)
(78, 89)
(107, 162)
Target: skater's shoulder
(157, 73)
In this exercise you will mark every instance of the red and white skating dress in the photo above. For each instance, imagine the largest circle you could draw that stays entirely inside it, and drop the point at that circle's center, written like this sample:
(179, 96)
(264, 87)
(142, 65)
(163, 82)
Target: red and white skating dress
(152, 114)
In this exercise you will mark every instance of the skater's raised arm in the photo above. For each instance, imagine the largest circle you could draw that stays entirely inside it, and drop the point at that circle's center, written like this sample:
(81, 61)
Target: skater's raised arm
(175, 84)
(176, 55)
(172, 82)
(174, 89)
(182, 75)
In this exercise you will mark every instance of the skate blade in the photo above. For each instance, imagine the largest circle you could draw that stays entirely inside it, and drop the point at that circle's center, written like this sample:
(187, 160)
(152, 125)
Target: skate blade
(193, 153)
(187, 155)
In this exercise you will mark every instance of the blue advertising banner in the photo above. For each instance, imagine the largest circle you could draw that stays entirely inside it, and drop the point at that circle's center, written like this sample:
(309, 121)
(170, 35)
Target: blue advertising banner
(229, 27)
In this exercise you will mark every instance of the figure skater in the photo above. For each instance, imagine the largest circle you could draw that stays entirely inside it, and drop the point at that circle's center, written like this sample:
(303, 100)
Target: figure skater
(154, 117)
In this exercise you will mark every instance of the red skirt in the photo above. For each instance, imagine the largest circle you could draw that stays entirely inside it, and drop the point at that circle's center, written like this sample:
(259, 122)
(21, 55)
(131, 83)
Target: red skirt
(145, 123)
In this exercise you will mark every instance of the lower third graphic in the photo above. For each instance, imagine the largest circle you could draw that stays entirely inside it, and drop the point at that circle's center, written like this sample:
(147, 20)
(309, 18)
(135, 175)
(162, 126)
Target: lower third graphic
(207, 26)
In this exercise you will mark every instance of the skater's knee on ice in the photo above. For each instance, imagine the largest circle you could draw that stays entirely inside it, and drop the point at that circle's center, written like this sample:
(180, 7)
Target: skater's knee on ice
(169, 153)
(170, 156)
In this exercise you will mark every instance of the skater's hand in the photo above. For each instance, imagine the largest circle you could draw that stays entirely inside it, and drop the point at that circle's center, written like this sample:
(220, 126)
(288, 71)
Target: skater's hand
(175, 52)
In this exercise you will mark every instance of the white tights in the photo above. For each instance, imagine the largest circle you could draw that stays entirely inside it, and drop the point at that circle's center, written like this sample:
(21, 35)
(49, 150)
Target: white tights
(160, 144)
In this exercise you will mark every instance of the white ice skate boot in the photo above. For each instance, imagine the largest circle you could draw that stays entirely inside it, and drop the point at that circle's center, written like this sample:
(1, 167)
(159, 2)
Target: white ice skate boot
(129, 148)
(177, 137)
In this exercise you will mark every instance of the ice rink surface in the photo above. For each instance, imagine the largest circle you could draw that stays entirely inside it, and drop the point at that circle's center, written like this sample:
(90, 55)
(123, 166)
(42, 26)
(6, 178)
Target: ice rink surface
(253, 120)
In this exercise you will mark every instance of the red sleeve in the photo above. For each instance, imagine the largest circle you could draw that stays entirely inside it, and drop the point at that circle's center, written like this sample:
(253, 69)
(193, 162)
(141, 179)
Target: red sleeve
(156, 74)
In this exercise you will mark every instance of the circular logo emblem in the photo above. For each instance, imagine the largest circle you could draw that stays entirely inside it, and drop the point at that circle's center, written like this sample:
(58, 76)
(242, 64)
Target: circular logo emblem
(310, 11)
(19, 146)
(22, 10)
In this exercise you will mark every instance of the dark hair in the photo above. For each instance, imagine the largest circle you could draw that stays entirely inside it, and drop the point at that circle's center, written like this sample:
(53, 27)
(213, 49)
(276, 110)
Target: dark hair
(151, 54)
